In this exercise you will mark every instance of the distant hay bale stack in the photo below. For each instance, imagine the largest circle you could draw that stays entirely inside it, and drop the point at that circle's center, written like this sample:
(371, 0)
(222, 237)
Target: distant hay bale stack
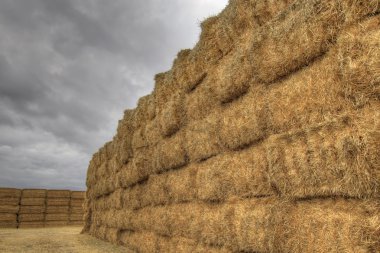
(58, 194)
(31, 224)
(58, 202)
(10, 193)
(33, 193)
(32, 209)
(9, 209)
(32, 201)
(80, 195)
(31, 217)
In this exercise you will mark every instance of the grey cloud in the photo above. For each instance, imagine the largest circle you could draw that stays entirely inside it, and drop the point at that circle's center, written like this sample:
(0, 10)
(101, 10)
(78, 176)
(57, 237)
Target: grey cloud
(68, 69)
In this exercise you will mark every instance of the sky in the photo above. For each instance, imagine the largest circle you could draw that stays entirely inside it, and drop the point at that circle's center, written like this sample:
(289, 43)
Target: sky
(68, 70)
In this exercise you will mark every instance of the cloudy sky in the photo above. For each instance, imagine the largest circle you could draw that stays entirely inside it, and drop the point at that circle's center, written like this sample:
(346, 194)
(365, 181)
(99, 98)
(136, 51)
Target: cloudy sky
(68, 69)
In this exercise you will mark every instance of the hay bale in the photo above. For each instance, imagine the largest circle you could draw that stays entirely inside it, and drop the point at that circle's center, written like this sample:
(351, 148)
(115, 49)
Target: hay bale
(128, 175)
(130, 197)
(10, 201)
(58, 202)
(76, 217)
(139, 139)
(76, 209)
(202, 101)
(76, 203)
(155, 191)
(31, 224)
(7, 224)
(124, 135)
(32, 209)
(58, 194)
(31, 217)
(8, 209)
(234, 75)
(359, 49)
(202, 138)
(171, 117)
(234, 174)
(9, 217)
(337, 225)
(337, 158)
(57, 217)
(33, 193)
(244, 121)
(152, 133)
(56, 223)
(57, 209)
(180, 184)
(10, 193)
(170, 153)
(32, 201)
(144, 163)
(310, 96)
(76, 223)
(141, 112)
(251, 224)
(144, 242)
(301, 33)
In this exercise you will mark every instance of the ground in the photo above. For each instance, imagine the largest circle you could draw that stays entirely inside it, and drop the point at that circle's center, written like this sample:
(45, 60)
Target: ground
(57, 240)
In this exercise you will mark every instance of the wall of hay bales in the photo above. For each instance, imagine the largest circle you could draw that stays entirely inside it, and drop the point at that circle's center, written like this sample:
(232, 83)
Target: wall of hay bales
(265, 137)
(33, 208)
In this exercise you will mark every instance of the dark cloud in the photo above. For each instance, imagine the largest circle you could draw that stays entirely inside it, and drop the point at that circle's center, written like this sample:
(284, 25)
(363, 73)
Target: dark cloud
(68, 69)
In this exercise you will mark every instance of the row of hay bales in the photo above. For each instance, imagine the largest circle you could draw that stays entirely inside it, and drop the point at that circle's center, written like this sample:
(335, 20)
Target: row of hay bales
(31, 208)
(263, 138)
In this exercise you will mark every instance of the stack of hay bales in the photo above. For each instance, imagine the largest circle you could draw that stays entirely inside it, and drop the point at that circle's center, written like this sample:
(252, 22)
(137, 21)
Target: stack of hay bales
(9, 206)
(57, 208)
(76, 208)
(263, 138)
(32, 209)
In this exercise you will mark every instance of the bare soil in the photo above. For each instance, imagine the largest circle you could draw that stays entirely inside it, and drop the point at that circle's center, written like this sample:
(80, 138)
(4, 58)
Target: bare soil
(57, 240)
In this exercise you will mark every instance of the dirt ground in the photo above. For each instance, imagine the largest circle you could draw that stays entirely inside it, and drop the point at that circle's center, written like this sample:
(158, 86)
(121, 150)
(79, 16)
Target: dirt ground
(57, 240)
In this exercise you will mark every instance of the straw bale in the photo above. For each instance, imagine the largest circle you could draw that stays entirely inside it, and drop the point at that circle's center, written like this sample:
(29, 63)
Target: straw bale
(58, 194)
(76, 217)
(76, 209)
(77, 195)
(335, 158)
(112, 201)
(251, 224)
(31, 217)
(8, 217)
(265, 10)
(8, 209)
(32, 209)
(77, 202)
(129, 175)
(152, 133)
(57, 217)
(31, 224)
(180, 66)
(9, 201)
(165, 87)
(301, 33)
(57, 209)
(359, 49)
(202, 101)
(130, 197)
(114, 218)
(244, 120)
(141, 112)
(33, 193)
(112, 235)
(234, 174)
(180, 184)
(10, 193)
(7, 224)
(155, 191)
(76, 223)
(326, 225)
(56, 223)
(144, 162)
(170, 153)
(234, 75)
(58, 202)
(143, 242)
(139, 139)
(124, 135)
(171, 118)
(32, 201)
(202, 138)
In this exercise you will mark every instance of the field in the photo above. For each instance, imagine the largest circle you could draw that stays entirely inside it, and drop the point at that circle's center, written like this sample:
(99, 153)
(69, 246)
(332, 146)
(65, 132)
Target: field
(58, 240)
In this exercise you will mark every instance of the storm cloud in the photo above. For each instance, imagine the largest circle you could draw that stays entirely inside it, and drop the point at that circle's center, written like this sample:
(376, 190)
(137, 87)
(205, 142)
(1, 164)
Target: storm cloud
(68, 70)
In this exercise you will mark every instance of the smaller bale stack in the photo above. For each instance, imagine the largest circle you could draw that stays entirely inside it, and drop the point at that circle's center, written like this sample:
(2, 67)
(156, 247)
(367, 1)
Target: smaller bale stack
(76, 208)
(9, 206)
(32, 209)
(57, 208)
